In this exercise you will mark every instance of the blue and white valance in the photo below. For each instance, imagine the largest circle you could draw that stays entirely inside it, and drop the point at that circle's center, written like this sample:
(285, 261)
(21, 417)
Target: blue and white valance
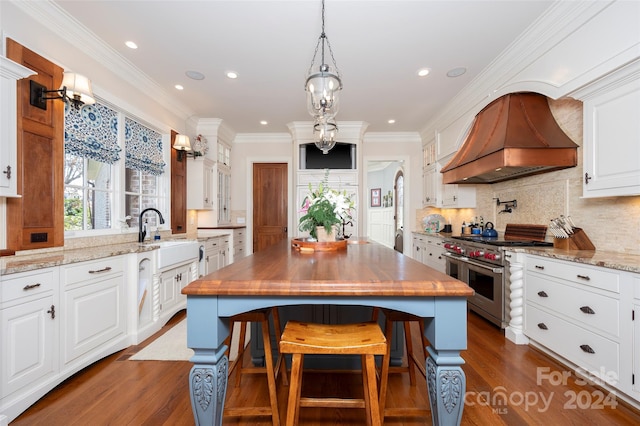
(92, 132)
(143, 147)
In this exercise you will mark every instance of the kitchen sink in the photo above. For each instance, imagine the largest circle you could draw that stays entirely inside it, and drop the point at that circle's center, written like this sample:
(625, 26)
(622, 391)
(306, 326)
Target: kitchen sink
(174, 252)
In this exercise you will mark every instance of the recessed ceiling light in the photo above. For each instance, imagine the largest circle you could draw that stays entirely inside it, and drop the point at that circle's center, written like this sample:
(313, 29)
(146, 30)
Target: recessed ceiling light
(392, 121)
(130, 45)
(179, 87)
(195, 75)
(456, 72)
(232, 74)
(264, 122)
(423, 72)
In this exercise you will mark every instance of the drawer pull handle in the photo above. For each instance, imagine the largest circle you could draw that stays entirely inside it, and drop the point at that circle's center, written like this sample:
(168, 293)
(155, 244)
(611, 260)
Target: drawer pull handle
(108, 268)
(52, 311)
(31, 286)
(542, 326)
(587, 310)
(584, 277)
(587, 349)
(539, 267)
(542, 294)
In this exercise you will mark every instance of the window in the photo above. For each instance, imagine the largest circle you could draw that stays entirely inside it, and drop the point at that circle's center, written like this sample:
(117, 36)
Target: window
(88, 194)
(93, 140)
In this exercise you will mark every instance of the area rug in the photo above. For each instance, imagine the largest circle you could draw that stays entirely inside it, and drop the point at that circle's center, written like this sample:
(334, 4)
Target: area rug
(171, 346)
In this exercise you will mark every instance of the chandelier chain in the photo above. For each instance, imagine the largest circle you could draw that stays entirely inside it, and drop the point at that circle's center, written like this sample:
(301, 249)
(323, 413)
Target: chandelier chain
(321, 40)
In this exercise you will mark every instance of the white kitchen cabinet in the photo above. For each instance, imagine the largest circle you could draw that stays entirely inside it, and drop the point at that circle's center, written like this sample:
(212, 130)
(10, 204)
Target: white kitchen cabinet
(635, 353)
(583, 315)
(429, 154)
(224, 153)
(93, 308)
(432, 182)
(458, 196)
(200, 184)
(29, 326)
(419, 247)
(239, 243)
(223, 195)
(171, 282)
(429, 250)
(10, 72)
(611, 134)
(216, 253)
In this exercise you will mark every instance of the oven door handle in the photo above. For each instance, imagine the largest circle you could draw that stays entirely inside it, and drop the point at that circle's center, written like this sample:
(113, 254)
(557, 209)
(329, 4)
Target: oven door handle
(499, 270)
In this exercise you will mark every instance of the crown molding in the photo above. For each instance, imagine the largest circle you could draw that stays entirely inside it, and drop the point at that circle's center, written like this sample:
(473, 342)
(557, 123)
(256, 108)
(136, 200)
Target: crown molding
(56, 19)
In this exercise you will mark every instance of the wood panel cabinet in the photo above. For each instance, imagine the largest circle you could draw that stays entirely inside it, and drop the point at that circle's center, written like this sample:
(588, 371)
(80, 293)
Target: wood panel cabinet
(178, 191)
(10, 72)
(35, 219)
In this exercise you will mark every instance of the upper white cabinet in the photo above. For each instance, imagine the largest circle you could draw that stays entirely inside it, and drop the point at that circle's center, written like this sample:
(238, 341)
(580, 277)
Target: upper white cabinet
(612, 134)
(10, 72)
(200, 184)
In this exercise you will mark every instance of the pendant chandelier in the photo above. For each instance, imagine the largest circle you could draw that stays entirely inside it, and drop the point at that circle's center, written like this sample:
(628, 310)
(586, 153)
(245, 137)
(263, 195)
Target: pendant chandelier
(322, 88)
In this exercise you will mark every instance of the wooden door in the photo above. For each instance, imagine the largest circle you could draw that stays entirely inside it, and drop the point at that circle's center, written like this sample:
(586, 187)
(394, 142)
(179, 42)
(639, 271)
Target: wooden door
(269, 204)
(178, 191)
(36, 220)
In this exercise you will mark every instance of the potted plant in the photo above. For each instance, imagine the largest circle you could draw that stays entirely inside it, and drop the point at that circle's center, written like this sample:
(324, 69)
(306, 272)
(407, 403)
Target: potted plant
(324, 209)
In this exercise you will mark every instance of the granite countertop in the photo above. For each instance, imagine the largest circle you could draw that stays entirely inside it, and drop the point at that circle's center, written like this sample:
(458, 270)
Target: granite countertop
(30, 262)
(606, 259)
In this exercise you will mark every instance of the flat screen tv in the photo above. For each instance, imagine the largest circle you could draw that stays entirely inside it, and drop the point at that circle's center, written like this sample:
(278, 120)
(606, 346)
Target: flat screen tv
(341, 156)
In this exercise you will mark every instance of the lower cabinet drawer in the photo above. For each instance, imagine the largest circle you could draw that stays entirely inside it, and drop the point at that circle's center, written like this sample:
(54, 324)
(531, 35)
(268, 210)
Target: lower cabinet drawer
(594, 311)
(584, 348)
(27, 284)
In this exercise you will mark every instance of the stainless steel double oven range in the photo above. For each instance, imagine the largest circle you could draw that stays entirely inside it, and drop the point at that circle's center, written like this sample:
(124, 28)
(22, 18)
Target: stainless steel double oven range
(480, 262)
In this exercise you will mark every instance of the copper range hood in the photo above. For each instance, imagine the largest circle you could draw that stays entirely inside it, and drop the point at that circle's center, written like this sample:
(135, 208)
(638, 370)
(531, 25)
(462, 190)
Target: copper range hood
(514, 136)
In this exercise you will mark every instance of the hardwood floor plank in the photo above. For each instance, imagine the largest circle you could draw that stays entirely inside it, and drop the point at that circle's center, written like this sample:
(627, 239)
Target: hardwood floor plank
(116, 391)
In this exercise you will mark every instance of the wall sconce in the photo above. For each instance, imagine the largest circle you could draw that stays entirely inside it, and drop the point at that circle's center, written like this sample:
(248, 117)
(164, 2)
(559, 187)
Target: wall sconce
(75, 88)
(182, 145)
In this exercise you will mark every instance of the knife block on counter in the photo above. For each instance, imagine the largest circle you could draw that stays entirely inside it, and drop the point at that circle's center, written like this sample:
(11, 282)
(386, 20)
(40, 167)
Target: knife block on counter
(576, 241)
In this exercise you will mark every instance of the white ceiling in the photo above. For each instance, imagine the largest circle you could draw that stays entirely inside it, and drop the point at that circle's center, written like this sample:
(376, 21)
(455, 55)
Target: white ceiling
(378, 46)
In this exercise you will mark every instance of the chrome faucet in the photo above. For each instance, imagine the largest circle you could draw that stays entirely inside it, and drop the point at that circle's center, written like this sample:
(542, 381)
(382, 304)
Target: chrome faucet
(143, 233)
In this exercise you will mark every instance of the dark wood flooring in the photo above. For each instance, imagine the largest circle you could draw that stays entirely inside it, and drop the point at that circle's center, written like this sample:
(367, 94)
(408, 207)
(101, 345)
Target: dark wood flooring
(502, 384)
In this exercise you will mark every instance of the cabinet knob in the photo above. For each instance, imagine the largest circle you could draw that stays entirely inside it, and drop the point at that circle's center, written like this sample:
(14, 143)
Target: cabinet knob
(539, 267)
(542, 294)
(542, 326)
(52, 312)
(587, 178)
(8, 172)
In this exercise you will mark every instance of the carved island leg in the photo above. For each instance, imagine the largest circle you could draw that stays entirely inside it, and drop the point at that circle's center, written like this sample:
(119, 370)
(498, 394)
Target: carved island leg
(208, 388)
(447, 386)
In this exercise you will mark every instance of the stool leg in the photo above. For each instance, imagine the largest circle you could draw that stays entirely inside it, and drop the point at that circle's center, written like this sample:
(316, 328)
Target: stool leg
(384, 373)
(295, 386)
(271, 378)
(409, 347)
(281, 366)
(371, 394)
(239, 359)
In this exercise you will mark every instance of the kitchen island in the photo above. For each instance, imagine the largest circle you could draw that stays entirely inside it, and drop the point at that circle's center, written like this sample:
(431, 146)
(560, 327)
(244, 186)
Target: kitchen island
(365, 274)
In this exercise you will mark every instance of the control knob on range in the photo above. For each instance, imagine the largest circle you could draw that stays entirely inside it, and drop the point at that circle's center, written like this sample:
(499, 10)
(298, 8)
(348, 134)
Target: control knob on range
(477, 253)
(492, 256)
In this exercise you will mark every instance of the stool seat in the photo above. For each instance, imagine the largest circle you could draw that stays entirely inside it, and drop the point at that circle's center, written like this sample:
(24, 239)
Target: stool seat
(260, 316)
(364, 339)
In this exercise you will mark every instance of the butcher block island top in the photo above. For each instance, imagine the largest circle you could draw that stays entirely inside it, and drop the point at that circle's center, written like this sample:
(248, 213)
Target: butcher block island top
(360, 270)
(365, 274)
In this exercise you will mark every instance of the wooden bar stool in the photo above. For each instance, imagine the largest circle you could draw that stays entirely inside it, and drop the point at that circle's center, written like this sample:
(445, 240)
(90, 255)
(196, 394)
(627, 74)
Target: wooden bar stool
(413, 362)
(272, 371)
(364, 339)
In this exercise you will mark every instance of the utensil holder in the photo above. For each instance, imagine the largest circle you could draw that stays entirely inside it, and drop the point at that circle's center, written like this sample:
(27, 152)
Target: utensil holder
(576, 241)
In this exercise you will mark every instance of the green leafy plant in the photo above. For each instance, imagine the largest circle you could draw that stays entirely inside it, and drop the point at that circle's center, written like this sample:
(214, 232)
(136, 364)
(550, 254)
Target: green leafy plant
(325, 207)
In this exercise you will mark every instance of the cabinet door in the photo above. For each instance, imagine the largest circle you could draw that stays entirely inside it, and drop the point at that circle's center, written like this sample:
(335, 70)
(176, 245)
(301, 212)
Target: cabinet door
(224, 197)
(168, 289)
(611, 148)
(29, 344)
(212, 260)
(94, 313)
(636, 347)
(431, 182)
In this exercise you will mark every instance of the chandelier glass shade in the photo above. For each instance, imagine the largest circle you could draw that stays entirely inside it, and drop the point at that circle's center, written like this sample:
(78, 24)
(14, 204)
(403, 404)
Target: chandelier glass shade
(325, 131)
